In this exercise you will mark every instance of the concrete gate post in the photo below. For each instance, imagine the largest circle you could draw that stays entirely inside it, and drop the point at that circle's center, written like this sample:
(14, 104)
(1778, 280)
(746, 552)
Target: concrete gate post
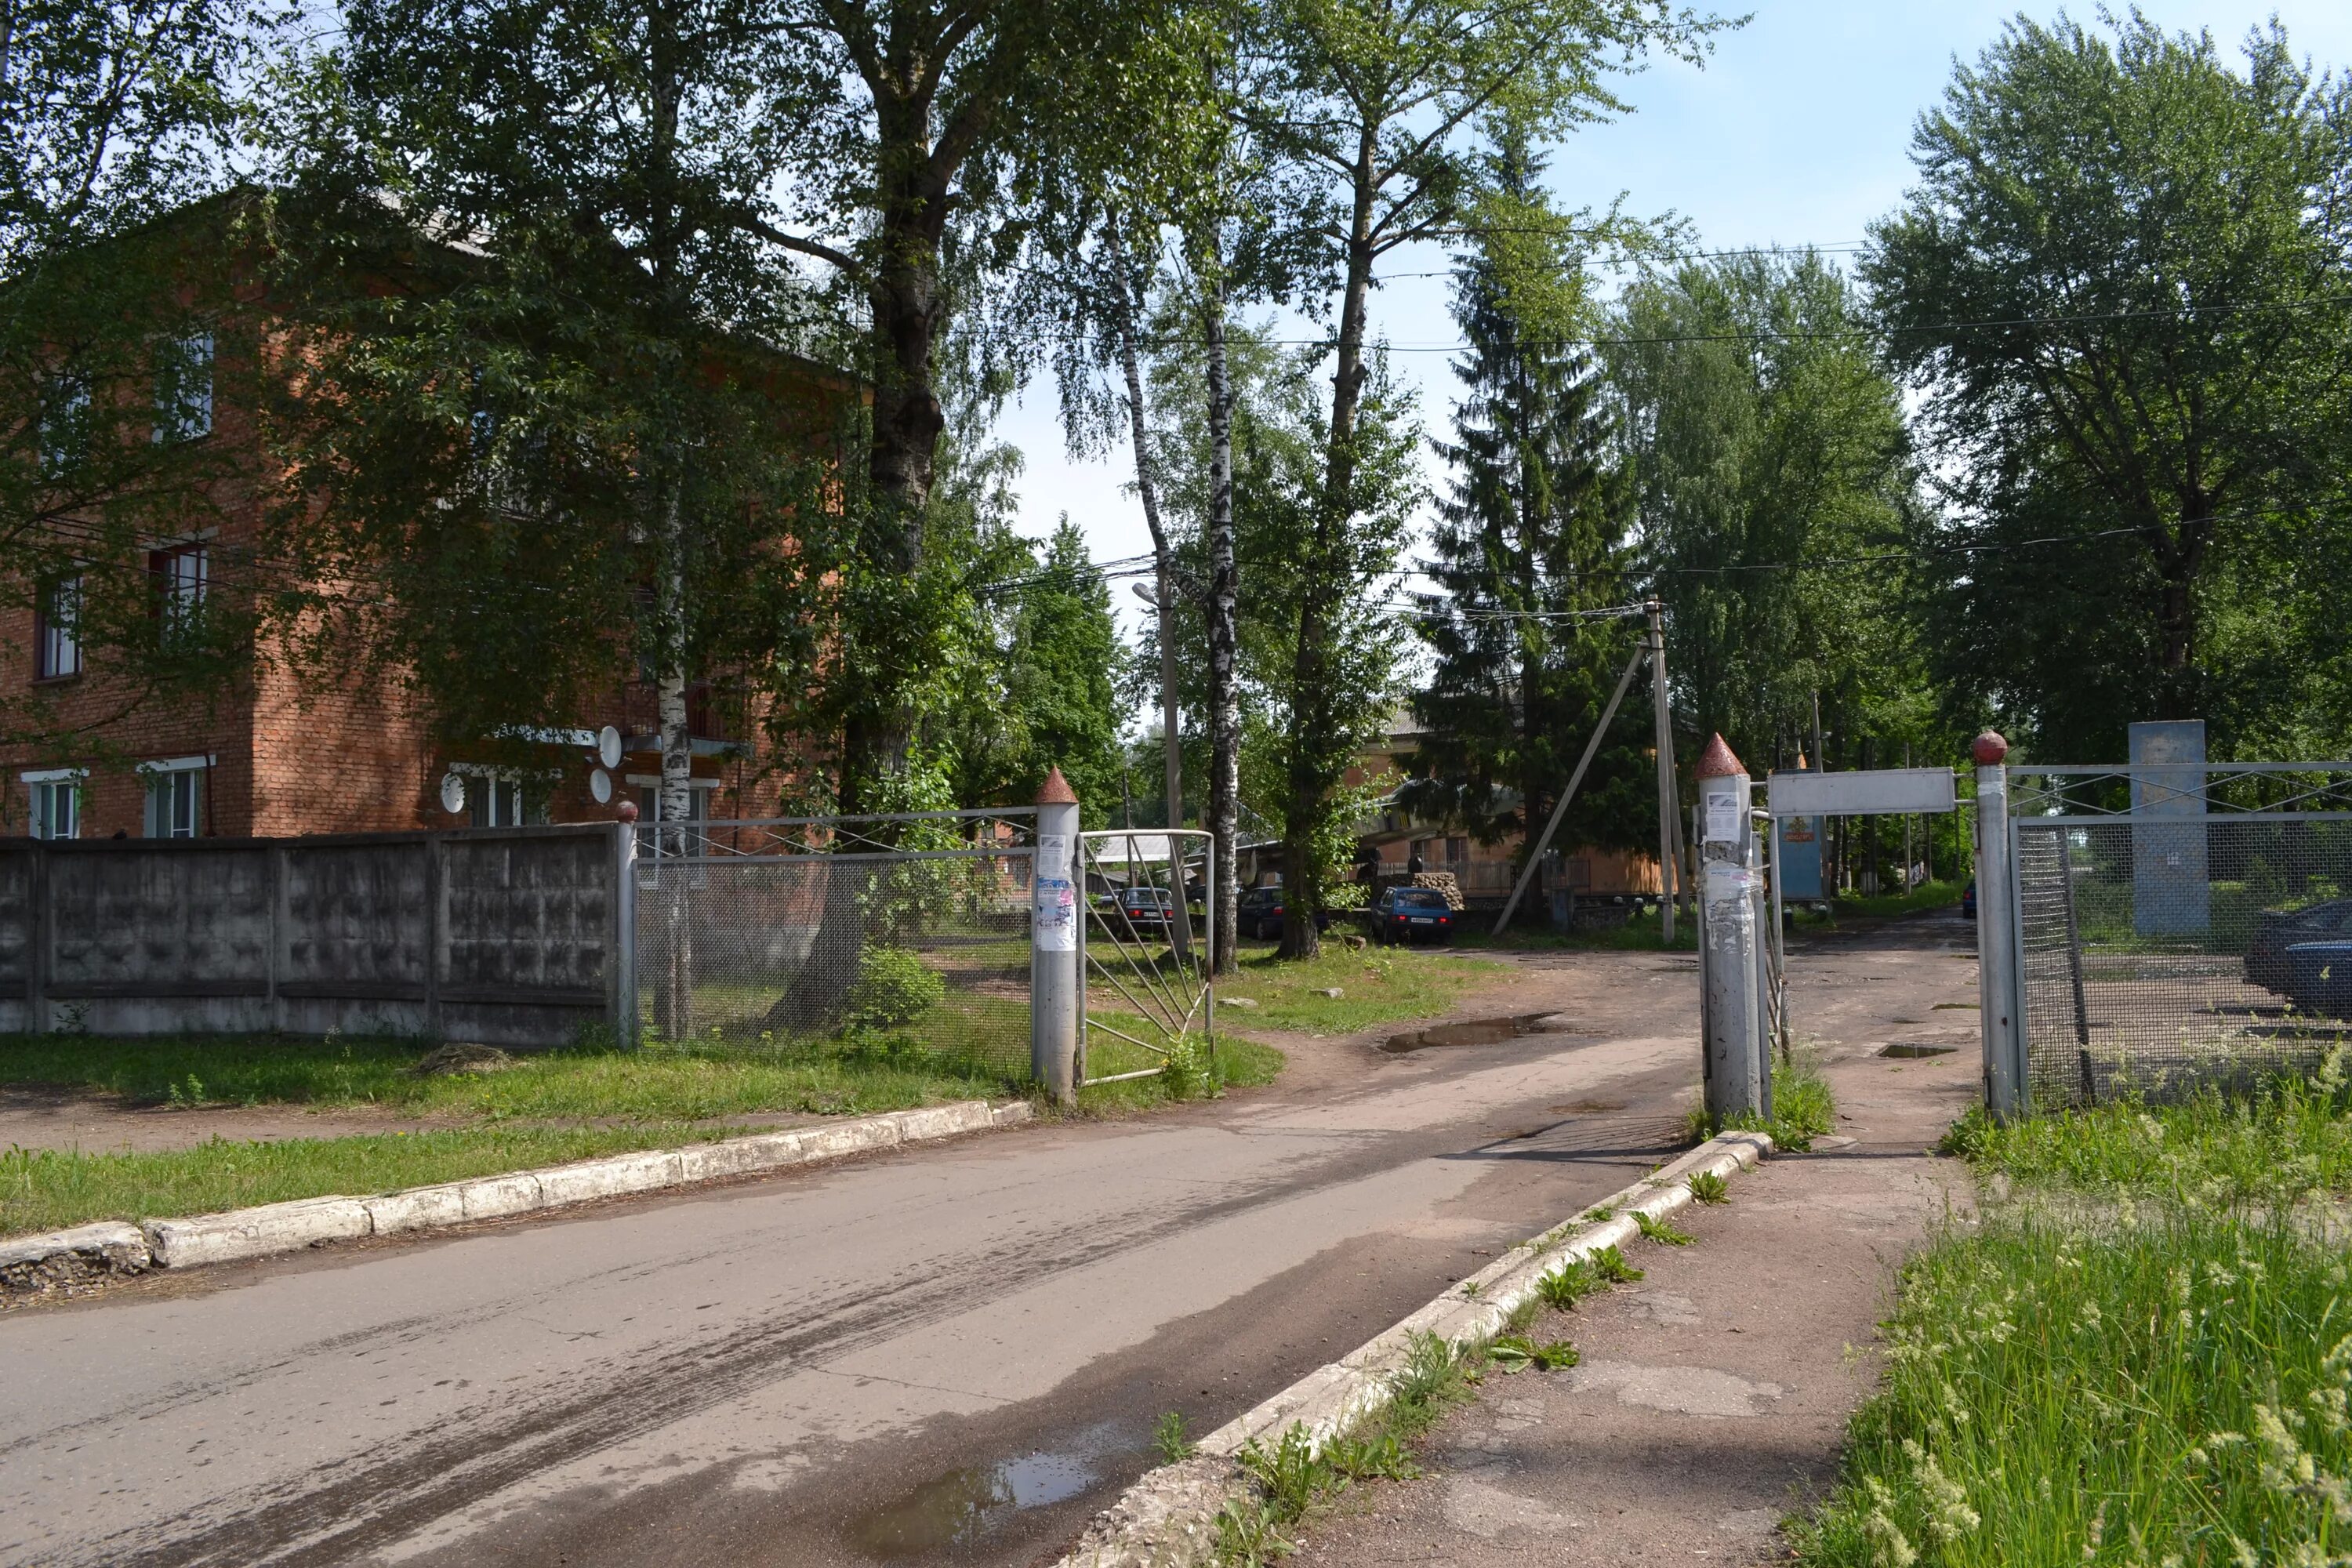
(1999, 997)
(1057, 906)
(1735, 1059)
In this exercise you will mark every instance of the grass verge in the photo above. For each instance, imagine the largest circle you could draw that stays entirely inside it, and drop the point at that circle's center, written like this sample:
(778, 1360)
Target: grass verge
(43, 1189)
(1376, 985)
(2142, 1354)
(1803, 1109)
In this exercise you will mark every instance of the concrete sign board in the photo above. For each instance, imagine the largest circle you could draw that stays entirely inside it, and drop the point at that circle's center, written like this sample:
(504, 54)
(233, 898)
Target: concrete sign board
(2170, 893)
(1877, 791)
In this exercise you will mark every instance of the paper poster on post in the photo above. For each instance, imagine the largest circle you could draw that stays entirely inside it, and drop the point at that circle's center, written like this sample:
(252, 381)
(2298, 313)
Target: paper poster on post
(1723, 815)
(1056, 915)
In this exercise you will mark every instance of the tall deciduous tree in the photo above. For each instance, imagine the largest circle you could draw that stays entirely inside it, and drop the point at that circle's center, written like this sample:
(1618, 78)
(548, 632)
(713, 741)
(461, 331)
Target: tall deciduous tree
(2122, 284)
(1774, 501)
(112, 113)
(1377, 112)
(1530, 543)
(547, 397)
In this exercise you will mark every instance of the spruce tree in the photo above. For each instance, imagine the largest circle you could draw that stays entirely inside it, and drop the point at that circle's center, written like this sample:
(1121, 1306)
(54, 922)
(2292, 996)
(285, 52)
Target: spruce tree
(1530, 541)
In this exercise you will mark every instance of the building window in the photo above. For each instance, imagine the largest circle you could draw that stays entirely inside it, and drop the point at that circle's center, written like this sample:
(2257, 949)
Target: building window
(58, 635)
(183, 576)
(175, 798)
(502, 800)
(697, 794)
(184, 388)
(1457, 851)
(65, 423)
(57, 805)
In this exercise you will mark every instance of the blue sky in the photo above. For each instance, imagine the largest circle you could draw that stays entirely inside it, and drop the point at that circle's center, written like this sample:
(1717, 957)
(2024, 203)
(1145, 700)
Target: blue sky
(1796, 132)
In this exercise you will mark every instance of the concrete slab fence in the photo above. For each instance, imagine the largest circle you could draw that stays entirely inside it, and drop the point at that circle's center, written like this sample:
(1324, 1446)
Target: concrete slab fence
(512, 937)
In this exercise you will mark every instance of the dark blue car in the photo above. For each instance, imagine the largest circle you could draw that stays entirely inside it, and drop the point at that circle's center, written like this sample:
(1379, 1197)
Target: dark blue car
(2319, 978)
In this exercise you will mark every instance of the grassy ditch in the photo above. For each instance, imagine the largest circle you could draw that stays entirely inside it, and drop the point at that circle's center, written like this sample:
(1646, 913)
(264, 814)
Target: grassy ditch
(2141, 1354)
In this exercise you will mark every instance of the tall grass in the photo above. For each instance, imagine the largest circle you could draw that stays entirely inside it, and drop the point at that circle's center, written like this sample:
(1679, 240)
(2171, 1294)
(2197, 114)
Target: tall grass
(1803, 1108)
(2167, 1387)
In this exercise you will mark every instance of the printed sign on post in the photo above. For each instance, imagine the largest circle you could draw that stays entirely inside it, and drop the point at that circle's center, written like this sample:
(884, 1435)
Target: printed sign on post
(1723, 815)
(1056, 915)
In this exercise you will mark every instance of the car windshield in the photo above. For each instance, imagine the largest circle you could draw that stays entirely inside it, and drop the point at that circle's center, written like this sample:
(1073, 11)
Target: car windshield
(1420, 899)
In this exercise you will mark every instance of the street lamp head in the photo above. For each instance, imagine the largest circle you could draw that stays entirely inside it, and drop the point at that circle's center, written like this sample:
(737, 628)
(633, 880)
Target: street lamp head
(1145, 592)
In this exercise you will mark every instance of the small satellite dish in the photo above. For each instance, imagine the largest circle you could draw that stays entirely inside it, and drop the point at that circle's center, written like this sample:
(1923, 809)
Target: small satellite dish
(608, 749)
(599, 785)
(453, 794)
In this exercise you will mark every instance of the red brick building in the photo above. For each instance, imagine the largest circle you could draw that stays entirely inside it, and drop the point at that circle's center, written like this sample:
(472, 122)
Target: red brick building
(270, 753)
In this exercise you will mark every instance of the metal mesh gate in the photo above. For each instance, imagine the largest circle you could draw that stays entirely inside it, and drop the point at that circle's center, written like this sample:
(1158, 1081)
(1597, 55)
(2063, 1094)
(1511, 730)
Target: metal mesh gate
(902, 939)
(2171, 933)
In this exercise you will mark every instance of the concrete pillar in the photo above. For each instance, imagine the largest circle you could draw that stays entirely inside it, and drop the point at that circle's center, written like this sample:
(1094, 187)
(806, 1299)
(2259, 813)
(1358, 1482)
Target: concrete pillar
(1735, 1059)
(1055, 990)
(1999, 997)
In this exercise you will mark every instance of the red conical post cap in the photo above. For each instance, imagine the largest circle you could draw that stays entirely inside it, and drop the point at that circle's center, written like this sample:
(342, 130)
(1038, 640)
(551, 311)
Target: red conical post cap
(1989, 749)
(1716, 761)
(1056, 791)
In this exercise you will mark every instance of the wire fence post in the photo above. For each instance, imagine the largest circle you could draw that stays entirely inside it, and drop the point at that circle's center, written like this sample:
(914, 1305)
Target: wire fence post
(1997, 987)
(1058, 992)
(1736, 1080)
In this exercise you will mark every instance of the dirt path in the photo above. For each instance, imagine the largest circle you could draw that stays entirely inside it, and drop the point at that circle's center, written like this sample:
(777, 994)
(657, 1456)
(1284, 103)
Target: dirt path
(1713, 1396)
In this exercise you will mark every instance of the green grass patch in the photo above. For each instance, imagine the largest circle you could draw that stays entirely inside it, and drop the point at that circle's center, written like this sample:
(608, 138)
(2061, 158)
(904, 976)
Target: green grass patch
(1926, 895)
(42, 1189)
(2167, 1388)
(2281, 1141)
(1376, 985)
(672, 1083)
(1803, 1109)
(1240, 1063)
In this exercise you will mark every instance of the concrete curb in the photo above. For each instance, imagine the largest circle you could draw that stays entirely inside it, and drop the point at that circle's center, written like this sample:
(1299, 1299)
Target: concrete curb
(33, 1265)
(1167, 1517)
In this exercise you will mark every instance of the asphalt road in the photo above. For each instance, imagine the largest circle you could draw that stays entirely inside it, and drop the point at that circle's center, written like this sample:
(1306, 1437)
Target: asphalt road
(945, 1355)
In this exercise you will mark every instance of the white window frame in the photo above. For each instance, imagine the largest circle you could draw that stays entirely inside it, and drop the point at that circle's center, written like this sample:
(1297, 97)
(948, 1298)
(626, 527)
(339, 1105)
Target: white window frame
(45, 787)
(65, 423)
(174, 784)
(698, 791)
(482, 809)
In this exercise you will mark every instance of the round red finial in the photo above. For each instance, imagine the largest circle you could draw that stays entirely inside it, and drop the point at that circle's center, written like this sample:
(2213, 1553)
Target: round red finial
(1718, 761)
(1989, 749)
(627, 812)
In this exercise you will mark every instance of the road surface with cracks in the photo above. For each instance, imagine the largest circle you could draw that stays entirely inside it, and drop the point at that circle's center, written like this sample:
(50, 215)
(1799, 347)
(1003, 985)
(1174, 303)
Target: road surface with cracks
(949, 1355)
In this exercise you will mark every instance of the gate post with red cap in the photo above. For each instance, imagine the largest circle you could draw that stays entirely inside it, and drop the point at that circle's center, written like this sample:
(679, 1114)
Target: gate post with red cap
(1738, 1080)
(1058, 905)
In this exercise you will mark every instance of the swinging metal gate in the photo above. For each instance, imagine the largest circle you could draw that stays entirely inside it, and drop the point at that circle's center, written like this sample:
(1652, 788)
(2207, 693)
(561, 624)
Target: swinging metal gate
(1147, 980)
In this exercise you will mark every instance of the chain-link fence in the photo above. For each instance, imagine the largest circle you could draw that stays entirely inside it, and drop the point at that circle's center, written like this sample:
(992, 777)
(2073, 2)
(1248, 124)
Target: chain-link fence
(899, 939)
(2186, 936)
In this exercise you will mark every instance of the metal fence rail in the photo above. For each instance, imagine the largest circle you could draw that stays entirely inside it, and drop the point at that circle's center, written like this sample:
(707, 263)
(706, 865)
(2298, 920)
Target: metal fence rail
(903, 939)
(2162, 949)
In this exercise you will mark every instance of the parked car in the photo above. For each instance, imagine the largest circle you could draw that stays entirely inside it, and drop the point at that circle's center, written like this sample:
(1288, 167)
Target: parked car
(1259, 913)
(2278, 931)
(1143, 909)
(2319, 978)
(1413, 914)
(1968, 901)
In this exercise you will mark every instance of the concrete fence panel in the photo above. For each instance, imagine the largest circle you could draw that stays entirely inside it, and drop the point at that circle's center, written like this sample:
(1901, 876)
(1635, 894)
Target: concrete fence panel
(509, 936)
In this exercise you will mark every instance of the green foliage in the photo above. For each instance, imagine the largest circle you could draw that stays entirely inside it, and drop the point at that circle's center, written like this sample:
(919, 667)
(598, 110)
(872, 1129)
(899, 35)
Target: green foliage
(1564, 1287)
(1762, 429)
(1803, 1109)
(1169, 1439)
(1707, 1188)
(1609, 1267)
(894, 987)
(2184, 220)
(1660, 1231)
(2274, 1144)
(1531, 535)
(1516, 1352)
(1189, 1072)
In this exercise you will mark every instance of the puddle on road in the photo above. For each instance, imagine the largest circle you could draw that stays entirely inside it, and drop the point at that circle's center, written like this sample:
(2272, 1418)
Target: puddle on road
(964, 1507)
(1480, 1032)
(1917, 1049)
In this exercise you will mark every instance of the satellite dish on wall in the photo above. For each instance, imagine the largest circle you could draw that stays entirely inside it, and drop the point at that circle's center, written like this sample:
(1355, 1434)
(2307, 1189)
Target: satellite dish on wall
(599, 785)
(453, 794)
(608, 749)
